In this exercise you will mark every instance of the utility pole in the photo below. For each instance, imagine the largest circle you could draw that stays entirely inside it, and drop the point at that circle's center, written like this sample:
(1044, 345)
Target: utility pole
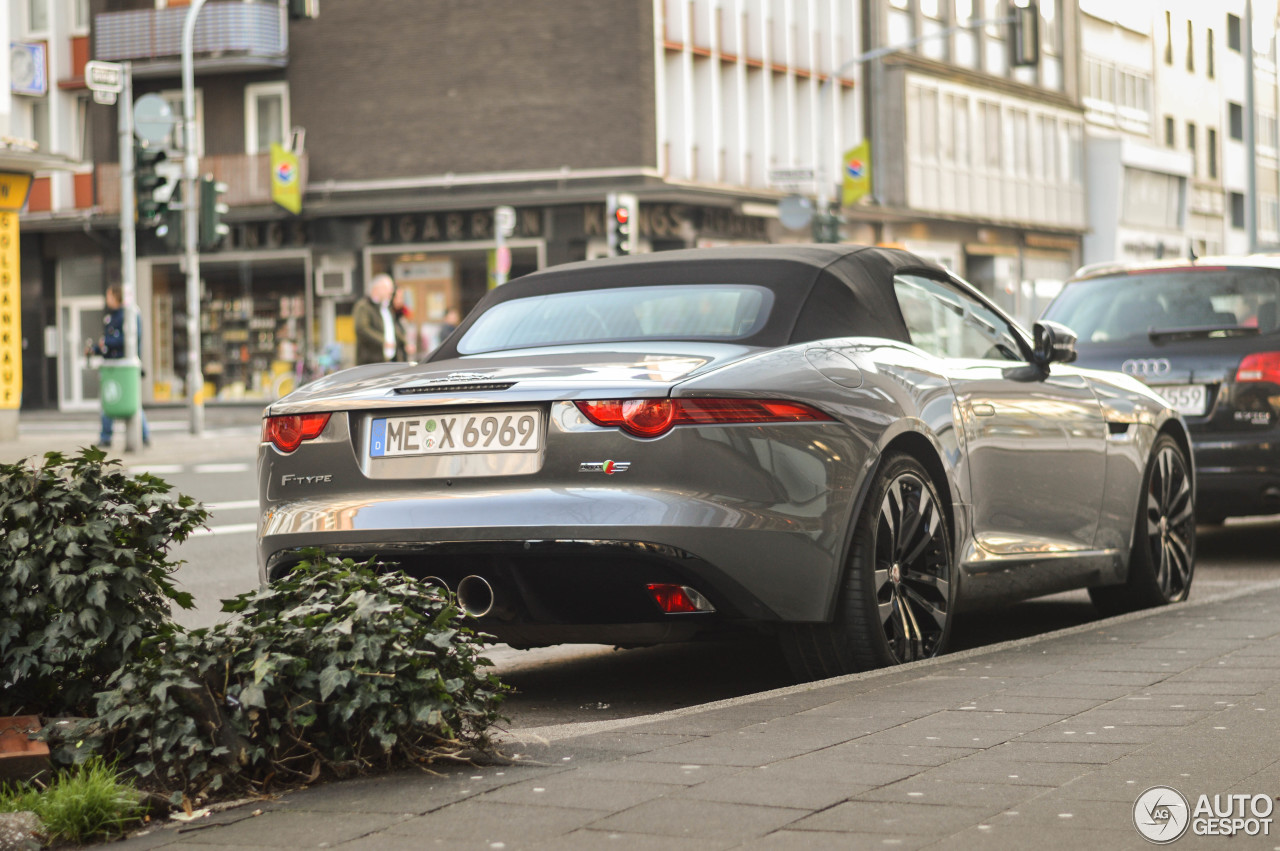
(190, 220)
(129, 251)
(1250, 138)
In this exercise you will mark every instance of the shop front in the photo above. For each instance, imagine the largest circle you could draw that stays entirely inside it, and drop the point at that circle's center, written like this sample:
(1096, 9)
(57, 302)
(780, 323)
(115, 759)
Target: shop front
(277, 296)
(255, 325)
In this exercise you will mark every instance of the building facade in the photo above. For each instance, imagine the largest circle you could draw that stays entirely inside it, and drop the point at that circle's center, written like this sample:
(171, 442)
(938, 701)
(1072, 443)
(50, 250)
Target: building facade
(1140, 191)
(976, 162)
(44, 111)
(413, 121)
(1166, 101)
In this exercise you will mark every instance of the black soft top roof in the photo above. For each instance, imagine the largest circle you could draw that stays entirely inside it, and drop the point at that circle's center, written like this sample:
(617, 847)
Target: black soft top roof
(820, 291)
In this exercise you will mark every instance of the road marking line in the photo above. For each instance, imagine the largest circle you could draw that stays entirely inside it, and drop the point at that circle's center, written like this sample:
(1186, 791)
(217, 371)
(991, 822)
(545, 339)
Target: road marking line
(230, 529)
(220, 468)
(157, 469)
(232, 505)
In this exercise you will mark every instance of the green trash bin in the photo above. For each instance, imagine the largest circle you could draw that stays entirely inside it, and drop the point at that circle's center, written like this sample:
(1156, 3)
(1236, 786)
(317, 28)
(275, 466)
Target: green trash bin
(121, 386)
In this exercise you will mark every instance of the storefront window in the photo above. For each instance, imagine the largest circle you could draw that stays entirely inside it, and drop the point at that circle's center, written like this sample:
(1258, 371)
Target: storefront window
(253, 335)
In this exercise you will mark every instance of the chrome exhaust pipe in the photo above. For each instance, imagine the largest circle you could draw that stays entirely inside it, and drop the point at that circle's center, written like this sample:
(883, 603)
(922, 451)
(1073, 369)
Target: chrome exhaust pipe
(475, 596)
(437, 582)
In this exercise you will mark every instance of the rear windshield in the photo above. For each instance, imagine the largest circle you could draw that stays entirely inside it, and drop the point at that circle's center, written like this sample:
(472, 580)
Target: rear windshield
(1124, 307)
(688, 312)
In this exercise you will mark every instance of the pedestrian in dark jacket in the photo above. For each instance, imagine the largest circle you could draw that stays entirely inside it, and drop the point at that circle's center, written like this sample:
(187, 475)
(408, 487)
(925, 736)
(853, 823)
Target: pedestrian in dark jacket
(378, 335)
(110, 346)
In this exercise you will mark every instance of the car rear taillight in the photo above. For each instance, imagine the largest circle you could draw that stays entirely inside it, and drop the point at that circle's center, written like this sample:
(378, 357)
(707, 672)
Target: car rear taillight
(655, 417)
(1260, 366)
(287, 433)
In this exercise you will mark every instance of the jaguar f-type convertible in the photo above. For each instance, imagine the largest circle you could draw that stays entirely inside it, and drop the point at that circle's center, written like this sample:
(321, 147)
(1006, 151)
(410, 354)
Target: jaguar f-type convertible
(843, 446)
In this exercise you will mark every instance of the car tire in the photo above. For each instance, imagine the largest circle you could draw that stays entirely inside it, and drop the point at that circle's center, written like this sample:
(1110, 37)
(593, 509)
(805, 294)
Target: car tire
(898, 591)
(1162, 560)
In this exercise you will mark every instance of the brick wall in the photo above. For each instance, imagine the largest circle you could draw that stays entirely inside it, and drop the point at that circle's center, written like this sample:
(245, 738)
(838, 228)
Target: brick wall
(389, 88)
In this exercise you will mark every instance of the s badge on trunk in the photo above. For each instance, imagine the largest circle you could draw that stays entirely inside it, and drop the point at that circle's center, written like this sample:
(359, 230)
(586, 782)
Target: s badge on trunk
(606, 467)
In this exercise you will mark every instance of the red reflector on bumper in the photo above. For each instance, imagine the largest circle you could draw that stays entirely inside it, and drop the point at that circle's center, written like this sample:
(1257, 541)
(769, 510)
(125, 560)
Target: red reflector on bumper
(678, 599)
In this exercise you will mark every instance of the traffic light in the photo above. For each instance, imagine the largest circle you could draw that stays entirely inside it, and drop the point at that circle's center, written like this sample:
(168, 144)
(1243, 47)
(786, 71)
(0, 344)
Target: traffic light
(147, 181)
(1024, 34)
(169, 227)
(212, 228)
(826, 226)
(622, 221)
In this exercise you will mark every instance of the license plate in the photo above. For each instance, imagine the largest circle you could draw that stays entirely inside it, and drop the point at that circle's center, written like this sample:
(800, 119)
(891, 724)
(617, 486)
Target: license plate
(449, 434)
(1189, 399)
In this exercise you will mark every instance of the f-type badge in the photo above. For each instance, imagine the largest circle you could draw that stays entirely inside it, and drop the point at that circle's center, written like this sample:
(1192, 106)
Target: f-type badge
(606, 467)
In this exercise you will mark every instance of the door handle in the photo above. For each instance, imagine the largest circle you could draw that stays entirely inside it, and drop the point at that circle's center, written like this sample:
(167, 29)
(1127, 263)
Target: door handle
(984, 410)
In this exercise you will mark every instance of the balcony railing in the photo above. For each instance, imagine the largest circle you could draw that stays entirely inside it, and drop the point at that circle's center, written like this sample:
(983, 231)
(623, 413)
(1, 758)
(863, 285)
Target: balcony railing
(233, 36)
(248, 179)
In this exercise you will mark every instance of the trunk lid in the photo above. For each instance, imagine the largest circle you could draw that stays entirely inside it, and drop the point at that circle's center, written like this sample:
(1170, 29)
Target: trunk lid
(578, 372)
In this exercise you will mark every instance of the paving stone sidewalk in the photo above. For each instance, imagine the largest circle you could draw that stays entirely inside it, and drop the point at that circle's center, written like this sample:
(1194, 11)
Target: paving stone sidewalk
(1044, 743)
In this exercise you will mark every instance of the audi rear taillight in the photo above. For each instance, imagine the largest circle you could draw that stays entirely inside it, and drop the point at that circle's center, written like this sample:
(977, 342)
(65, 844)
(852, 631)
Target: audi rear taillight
(287, 433)
(1260, 366)
(655, 417)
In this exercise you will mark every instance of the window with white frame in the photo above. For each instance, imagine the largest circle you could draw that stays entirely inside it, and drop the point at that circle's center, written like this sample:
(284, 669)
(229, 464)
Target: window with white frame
(37, 17)
(992, 135)
(1051, 73)
(934, 23)
(38, 122)
(176, 140)
(1152, 199)
(83, 140)
(79, 15)
(902, 24)
(966, 40)
(1266, 129)
(266, 116)
(996, 58)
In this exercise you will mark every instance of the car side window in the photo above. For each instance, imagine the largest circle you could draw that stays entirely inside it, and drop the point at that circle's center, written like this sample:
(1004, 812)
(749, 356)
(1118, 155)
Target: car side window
(948, 323)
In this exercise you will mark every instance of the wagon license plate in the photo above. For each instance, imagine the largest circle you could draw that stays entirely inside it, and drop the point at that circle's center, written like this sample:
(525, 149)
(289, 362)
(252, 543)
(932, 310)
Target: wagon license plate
(1189, 399)
(448, 434)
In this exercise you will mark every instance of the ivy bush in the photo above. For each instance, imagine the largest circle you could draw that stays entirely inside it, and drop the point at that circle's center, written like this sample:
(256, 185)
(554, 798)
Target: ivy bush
(84, 576)
(334, 670)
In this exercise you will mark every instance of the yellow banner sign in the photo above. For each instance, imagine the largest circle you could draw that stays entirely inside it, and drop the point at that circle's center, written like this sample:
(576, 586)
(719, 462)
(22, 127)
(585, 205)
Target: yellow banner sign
(856, 170)
(14, 189)
(10, 314)
(286, 179)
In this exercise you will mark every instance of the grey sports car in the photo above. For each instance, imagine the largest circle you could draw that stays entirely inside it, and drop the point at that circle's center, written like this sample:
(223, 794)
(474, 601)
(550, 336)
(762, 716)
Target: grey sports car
(843, 446)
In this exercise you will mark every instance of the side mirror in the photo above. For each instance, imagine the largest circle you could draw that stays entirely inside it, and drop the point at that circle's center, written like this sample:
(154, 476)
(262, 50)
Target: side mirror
(1054, 343)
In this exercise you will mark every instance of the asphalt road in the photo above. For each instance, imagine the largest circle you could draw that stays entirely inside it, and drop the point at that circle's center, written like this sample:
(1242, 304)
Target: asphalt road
(588, 682)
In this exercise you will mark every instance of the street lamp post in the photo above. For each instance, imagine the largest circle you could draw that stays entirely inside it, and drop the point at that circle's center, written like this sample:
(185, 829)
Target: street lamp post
(1250, 139)
(128, 248)
(191, 221)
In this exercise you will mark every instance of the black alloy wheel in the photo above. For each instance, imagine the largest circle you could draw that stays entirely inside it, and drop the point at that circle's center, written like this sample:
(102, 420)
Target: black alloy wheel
(912, 576)
(1162, 560)
(899, 588)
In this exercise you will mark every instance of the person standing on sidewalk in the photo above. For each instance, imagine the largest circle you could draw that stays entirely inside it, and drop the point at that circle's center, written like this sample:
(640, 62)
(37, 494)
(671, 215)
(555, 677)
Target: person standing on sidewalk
(378, 335)
(111, 347)
(406, 336)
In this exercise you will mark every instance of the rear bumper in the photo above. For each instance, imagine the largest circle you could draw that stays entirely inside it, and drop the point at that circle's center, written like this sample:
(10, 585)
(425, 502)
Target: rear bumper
(753, 564)
(568, 591)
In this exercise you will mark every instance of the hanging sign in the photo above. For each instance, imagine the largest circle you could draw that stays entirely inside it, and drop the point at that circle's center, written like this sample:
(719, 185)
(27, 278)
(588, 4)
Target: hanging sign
(10, 315)
(286, 179)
